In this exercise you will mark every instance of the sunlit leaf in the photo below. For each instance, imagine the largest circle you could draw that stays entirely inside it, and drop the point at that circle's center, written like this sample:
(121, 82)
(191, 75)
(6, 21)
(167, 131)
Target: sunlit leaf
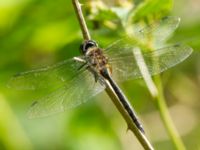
(152, 7)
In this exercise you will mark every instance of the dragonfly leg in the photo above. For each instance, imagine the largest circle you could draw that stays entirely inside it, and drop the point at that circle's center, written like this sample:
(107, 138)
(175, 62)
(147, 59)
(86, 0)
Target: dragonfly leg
(83, 66)
(84, 63)
(78, 59)
(96, 77)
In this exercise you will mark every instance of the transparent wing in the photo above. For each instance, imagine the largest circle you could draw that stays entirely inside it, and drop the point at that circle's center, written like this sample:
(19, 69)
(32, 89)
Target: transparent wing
(158, 32)
(49, 76)
(123, 61)
(124, 65)
(80, 89)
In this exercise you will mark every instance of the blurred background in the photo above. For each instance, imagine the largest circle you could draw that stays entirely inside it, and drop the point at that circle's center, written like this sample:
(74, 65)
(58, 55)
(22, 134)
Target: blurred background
(35, 33)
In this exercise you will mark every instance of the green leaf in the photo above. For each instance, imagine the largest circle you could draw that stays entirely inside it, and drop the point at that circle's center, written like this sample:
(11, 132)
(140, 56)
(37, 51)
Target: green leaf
(152, 8)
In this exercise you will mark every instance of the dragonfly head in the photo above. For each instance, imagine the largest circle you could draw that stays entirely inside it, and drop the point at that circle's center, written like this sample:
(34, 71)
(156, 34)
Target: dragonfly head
(87, 45)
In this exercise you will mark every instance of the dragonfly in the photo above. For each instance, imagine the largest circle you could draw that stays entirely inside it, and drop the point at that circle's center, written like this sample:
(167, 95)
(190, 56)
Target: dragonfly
(82, 77)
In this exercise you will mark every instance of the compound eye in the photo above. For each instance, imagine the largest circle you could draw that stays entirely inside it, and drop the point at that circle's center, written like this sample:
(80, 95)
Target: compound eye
(86, 45)
(90, 44)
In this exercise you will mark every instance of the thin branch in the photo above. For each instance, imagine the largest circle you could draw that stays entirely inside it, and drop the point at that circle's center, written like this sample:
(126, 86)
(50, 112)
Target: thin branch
(84, 29)
(140, 136)
(86, 35)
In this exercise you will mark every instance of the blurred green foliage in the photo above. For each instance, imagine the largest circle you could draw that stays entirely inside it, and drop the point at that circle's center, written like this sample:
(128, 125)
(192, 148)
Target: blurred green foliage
(35, 33)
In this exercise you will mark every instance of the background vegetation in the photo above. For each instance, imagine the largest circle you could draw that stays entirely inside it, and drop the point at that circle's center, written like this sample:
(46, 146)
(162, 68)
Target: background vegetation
(34, 33)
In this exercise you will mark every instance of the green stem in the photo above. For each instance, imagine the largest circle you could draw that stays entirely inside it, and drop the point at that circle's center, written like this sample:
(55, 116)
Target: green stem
(161, 103)
(165, 116)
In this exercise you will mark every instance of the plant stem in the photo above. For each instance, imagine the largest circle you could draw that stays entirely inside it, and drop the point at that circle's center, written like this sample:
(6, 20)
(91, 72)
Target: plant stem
(165, 116)
(84, 29)
(156, 90)
(140, 136)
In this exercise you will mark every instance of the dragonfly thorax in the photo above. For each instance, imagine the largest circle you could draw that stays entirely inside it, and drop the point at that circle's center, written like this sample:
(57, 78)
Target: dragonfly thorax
(95, 56)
